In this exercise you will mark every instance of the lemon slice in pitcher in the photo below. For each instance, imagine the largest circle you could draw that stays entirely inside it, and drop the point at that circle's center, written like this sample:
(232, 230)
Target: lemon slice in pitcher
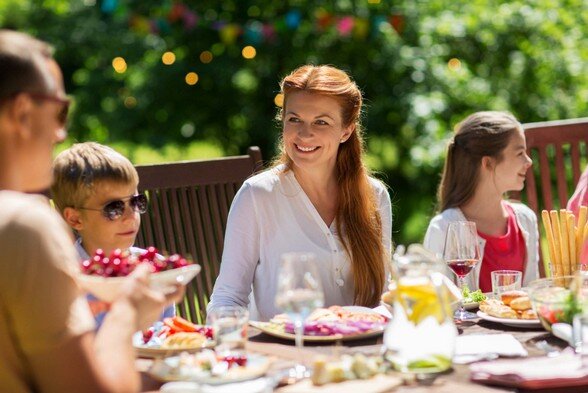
(420, 299)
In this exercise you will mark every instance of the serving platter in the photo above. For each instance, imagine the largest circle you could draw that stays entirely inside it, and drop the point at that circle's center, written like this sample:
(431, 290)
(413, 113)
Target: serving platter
(171, 369)
(277, 329)
(155, 351)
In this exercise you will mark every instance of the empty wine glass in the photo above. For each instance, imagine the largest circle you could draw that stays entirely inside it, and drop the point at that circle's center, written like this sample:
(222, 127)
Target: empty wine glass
(461, 254)
(299, 293)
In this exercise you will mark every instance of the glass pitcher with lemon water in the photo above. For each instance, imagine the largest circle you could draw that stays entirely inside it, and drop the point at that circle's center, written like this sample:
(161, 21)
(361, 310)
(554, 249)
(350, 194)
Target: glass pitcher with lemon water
(421, 336)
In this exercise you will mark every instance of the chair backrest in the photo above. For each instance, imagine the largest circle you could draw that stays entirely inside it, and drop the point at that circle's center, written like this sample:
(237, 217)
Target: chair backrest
(189, 204)
(559, 150)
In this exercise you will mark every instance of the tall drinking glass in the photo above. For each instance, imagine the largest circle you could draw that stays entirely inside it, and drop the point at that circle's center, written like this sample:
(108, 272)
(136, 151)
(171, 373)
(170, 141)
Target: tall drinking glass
(299, 293)
(461, 254)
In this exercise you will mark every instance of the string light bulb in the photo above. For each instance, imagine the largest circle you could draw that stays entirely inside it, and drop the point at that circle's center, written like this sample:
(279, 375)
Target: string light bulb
(249, 52)
(119, 64)
(168, 58)
(191, 78)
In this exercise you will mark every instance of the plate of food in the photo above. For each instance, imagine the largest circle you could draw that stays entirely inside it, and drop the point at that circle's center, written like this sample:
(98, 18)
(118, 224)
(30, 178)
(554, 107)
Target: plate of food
(329, 324)
(102, 275)
(513, 309)
(210, 368)
(471, 299)
(514, 322)
(172, 336)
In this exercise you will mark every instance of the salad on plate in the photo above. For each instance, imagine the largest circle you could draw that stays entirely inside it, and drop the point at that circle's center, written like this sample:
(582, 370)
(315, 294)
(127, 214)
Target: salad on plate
(472, 299)
(172, 335)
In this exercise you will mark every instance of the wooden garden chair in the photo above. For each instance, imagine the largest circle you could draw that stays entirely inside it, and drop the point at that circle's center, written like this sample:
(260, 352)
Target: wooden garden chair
(559, 150)
(189, 204)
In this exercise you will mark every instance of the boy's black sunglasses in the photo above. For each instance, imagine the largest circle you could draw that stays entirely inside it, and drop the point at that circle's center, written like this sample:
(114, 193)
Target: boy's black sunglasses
(115, 209)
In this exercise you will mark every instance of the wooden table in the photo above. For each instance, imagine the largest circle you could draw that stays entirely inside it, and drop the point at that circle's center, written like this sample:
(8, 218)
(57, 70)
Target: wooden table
(456, 381)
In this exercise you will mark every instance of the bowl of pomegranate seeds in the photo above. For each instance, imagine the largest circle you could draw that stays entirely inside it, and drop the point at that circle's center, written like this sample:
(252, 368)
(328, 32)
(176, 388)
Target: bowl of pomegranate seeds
(102, 275)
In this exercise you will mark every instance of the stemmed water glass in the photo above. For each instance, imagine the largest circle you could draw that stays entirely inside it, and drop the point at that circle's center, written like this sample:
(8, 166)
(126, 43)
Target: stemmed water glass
(461, 254)
(299, 292)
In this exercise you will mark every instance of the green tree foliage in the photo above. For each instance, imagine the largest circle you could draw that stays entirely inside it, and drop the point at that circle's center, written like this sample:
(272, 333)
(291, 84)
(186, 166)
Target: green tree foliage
(423, 66)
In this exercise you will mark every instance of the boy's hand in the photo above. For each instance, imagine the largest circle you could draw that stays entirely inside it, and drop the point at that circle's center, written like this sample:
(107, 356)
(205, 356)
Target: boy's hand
(147, 302)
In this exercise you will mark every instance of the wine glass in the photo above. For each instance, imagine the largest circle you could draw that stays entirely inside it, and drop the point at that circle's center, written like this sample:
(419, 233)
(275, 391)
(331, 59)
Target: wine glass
(461, 254)
(299, 293)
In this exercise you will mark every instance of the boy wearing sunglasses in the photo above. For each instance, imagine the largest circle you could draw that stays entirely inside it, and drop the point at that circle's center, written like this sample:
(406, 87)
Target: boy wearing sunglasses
(95, 189)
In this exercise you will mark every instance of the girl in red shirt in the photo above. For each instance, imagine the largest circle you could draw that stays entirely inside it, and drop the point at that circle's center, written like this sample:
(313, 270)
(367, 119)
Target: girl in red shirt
(485, 159)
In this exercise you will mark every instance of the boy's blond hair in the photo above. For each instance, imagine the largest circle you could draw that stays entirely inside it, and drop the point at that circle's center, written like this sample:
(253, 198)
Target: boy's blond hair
(79, 170)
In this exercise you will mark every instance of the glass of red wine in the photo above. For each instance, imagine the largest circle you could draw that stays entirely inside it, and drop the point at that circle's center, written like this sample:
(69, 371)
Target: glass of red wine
(461, 253)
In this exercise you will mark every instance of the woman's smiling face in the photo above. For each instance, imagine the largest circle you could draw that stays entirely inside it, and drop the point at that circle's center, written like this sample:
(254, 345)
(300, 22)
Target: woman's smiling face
(313, 129)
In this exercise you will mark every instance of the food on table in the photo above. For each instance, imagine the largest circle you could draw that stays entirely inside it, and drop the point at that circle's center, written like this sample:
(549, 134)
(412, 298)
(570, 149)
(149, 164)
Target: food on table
(554, 300)
(204, 364)
(497, 309)
(472, 296)
(521, 303)
(508, 296)
(121, 263)
(565, 238)
(528, 314)
(348, 367)
(177, 333)
(331, 321)
(184, 340)
(513, 305)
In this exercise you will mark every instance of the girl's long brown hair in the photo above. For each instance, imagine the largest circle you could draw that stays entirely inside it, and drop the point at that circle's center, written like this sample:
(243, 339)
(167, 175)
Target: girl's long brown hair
(479, 135)
(357, 216)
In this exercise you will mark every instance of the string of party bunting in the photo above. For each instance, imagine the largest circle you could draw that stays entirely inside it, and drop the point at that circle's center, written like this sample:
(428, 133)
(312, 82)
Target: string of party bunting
(254, 32)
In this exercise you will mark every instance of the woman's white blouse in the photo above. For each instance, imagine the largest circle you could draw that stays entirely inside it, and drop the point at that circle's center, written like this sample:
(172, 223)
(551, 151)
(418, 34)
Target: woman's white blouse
(272, 215)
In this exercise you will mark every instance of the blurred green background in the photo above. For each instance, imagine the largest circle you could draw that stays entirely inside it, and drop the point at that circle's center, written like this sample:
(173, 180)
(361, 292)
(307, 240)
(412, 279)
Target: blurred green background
(171, 80)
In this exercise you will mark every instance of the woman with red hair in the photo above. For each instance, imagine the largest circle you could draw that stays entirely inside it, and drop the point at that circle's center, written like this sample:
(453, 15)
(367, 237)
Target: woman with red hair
(318, 197)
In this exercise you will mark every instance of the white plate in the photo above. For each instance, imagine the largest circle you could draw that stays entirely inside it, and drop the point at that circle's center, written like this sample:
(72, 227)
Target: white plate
(360, 309)
(531, 323)
(151, 351)
(167, 370)
(107, 288)
(268, 328)
(471, 306)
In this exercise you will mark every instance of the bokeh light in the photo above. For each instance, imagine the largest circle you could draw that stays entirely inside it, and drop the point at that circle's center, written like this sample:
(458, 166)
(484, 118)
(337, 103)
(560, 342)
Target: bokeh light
(249, 52)
(279, 100)
(206, 57)
(454, 64)
(130, 102)
(191, 78)
(119, 64)
(168, 58)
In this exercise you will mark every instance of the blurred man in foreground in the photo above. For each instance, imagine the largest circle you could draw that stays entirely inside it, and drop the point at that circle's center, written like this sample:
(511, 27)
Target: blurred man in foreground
(47, 337)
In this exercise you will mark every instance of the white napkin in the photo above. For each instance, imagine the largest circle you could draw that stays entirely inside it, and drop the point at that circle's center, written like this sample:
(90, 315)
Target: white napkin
(567, 365)
(475, 347)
